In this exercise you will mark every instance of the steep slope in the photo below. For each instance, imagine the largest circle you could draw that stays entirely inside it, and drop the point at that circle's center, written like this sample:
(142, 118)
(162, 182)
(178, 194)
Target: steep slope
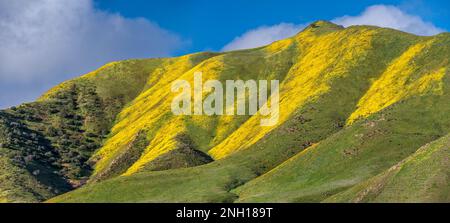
(353, 103)
(149, 114)
(224, 135)
(422, 177)
(413, 111)
(46, 145)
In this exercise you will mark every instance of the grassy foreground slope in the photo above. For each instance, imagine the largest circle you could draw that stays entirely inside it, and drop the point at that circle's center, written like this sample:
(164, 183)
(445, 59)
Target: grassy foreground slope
(353, 103)
(422, 177)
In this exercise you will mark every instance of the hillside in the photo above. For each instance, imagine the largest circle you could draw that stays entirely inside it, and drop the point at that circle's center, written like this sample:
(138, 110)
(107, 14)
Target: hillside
(356, 104)
(422, 177)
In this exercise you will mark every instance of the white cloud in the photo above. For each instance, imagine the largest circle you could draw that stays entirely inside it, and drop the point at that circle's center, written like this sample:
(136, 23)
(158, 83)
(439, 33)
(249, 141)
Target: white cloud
(43, 42)
(263, 35)
(377, 15)
(390, 17)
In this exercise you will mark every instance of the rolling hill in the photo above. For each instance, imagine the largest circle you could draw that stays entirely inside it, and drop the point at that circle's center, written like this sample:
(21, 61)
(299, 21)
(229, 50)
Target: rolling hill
(363, 118)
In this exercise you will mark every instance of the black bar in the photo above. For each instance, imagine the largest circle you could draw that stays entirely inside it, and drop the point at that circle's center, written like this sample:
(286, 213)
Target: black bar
(226, 212)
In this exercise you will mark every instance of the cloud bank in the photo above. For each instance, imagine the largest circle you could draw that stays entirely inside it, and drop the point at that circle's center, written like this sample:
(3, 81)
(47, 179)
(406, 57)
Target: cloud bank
(377, 15)
(44, 42)
(390, 17)
(263, 35)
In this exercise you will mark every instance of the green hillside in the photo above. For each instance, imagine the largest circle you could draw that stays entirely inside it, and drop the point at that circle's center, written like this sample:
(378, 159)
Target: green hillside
(359, 108)
(422, 177)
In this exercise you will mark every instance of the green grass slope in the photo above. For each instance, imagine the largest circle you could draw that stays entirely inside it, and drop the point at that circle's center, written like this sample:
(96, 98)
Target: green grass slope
(353, 103)
(422, 177)
(347, 158)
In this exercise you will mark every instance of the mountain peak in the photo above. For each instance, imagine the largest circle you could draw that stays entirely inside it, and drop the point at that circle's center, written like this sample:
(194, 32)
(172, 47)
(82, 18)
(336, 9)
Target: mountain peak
(324, 23)
(323, 26)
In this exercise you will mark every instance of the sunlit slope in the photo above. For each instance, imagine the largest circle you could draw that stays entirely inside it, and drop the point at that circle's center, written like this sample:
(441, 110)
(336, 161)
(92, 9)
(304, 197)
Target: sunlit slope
(150, 112)
(351, 55)
(422, 177)
(417, 114)
(149, 115)
(328, 78)
(418, 71)
(298, 61)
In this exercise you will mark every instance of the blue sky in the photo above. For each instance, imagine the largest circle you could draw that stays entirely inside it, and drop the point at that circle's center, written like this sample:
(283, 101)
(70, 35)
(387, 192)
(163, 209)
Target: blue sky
(45, 42)
(210, 25)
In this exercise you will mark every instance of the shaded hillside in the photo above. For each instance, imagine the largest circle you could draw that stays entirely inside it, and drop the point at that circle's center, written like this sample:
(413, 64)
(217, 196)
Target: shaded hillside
(353, 103)
(49, 142)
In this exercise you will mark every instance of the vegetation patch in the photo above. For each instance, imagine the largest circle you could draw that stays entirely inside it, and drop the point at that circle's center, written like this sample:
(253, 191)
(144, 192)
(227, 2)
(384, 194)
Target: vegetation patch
(185, 155)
